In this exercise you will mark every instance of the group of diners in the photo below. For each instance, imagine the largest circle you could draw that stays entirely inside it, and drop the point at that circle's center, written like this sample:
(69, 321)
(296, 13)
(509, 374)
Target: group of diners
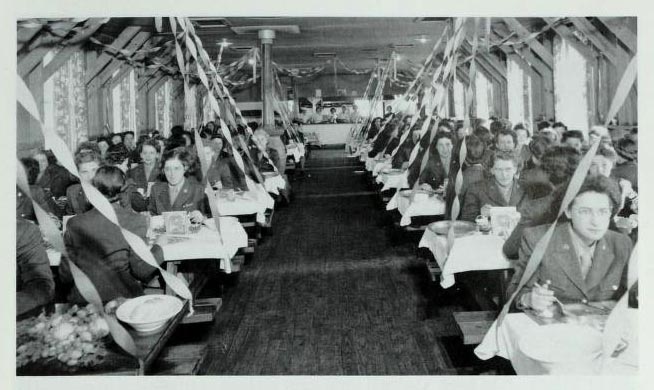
(140, 180)
(508, 166)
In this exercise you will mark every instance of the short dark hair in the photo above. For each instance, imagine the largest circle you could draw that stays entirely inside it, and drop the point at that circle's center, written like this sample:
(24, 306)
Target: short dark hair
(560, 162)
(109, 180)
(572, 134)
(603, 185)
(497, 126)
(116, 154)
(88, 145)
(128, 132)
(559, 124)
(446, 124)
(111, 136)
(483, 134)
(475, 149)
(443, 134)
(505, 132)
(86, 156)
(539, 145)
(182, 154)
(543, 125)
(32, 169)
(150, 142)
(176, 130)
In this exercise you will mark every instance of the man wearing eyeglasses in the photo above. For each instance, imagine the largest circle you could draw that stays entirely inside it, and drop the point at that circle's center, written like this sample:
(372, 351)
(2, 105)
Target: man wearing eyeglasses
(584, 260)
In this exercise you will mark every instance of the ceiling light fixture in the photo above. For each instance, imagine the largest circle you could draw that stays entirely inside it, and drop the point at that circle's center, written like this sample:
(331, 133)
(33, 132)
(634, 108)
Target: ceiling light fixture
(224, 43)
(422, 39)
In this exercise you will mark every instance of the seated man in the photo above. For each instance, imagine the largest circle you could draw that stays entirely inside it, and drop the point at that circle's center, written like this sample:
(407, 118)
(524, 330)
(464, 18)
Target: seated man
(506, 141)
(34, 283)
(584, 260)
(501, 190)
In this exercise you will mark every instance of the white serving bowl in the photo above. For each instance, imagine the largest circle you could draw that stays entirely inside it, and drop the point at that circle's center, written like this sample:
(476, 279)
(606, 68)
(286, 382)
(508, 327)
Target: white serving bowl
(143, 319)
(563, 349)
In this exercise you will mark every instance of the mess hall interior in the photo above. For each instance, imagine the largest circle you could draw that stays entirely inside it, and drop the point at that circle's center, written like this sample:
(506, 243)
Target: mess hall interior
(326, 195)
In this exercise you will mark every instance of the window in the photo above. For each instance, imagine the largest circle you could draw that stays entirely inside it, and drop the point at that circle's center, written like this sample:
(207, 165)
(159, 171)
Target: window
(519, 91)
(483, 95)
(571, 98)
(123, 97)
(162, 107)
(64, 101)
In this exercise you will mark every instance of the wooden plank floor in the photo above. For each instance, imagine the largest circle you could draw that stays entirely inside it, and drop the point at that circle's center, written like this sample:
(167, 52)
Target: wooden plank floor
(328, 294)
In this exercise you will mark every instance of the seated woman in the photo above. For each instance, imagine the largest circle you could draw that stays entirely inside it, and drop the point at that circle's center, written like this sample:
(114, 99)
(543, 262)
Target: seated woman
(584, 261)
(260, 138)
(34, 282)
(501, 190)
(559, 163)
(401, 158)
(375, 128)
(223, 171)
(99, 249)
(130, 197)
(148, 170)
(178, 193)
(441, 165)
(385, 136)
(87, 163)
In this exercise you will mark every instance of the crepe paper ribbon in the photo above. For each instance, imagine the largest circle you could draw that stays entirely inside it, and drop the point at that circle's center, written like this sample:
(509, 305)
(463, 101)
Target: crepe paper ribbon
(614, 327)
(198, 53)
(65, 158)
(82, 282)
(622, 91)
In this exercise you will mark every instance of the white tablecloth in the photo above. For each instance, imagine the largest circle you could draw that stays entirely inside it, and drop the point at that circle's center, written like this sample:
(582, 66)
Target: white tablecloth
(393, 180)
(505, 344)
(381, 165)
(477, 252)
(432, 205)
(206, 243)
(274, 183)
(249, 202)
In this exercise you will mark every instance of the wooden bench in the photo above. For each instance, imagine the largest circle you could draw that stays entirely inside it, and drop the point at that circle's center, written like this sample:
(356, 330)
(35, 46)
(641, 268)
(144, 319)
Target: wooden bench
(185, 359)
(474, 324)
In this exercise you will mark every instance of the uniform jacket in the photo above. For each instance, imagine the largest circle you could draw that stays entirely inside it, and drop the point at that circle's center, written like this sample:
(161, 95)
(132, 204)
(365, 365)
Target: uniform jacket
(99, 249)
(403, 153)
(24, 207)
(487, 192)
(34, 282)
(191, 197)
(225, 170)
(137, 174)
(606, 279)
(57, 179)
(435, 173)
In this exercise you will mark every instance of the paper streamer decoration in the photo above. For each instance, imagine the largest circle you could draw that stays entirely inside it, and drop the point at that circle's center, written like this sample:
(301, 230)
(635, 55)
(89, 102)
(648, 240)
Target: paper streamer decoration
(82, 282)
(65, 158)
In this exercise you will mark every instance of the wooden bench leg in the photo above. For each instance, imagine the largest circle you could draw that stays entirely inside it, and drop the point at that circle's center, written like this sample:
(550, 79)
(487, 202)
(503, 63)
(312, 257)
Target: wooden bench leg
(474, 324)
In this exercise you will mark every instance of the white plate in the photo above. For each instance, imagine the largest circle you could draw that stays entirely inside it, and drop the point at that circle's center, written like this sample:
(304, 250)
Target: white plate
(148, 313)
(564, 344)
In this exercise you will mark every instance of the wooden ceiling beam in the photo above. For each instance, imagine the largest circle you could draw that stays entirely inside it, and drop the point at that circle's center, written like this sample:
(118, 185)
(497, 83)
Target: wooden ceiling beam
(599, 40)
(101, 78)
(568, 34)
(623, 33)
(104, 59)
(536, 46)
(484, 61)
(37, 49)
